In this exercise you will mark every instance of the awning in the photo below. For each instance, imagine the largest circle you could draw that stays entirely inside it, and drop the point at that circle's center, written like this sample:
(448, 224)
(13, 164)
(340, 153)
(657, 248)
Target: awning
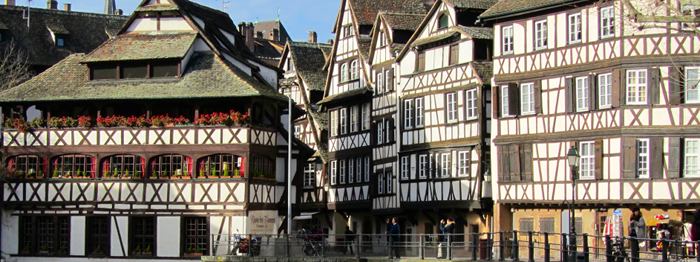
(305, 216)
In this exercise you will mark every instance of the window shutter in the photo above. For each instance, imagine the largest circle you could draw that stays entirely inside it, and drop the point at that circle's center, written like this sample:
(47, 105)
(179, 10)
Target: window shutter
(390, 80)
(503, 159)
(653, 79)
(656, 154)
(526, 162)
(674, 157)
(569, 94)
(629, 157)
(616, 87)
(496, 101)
(513, 99)
(538, 96)
(598, 159)
(592, 92)
(514, 162)
(676, 85)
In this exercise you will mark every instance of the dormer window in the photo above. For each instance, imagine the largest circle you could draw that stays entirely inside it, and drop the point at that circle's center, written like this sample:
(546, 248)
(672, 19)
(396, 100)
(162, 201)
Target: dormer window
(443, 21)
(135, 70)
(59, 34)
(60, 41)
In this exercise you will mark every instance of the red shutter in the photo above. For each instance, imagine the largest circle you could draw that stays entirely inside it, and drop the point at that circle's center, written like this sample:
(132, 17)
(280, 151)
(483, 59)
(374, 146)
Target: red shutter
(93, 167)
(243, 167)
(143, 167)
(105, 166)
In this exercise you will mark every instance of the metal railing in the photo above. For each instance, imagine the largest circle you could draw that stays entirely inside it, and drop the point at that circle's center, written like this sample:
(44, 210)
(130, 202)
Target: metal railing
(501, 246)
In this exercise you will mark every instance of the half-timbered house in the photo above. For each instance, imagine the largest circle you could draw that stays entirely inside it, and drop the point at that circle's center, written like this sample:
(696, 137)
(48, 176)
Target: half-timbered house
(151, 146)
(604, 78)
(348, 103)
(444, 96)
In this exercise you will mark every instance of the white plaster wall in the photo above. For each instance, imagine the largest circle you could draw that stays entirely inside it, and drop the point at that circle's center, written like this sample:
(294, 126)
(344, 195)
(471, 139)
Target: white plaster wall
(168, 236)
(143, 24)
(77, 235)
(174, 24)
(10, 233)
(122, 222)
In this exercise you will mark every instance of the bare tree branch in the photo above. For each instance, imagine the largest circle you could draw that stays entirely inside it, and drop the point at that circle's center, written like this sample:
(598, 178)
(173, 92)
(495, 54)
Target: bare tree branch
(14, 66)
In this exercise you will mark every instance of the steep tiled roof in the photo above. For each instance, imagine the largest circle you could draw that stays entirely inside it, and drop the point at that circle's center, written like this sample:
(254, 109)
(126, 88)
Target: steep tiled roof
(85, 31)
(473, 4)
(207, 76)
(268, 51)
(477, 32)
(506, 7)
(366, 10)
(267, 26)
(129, 47)
(404, 22)
(309, 59)
(484, 70)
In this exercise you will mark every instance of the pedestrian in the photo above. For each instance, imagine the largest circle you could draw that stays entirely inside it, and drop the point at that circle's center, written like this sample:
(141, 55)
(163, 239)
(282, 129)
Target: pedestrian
(442, 253)
(637, 232)
(394, 230)
(349, 240)
(695, 226)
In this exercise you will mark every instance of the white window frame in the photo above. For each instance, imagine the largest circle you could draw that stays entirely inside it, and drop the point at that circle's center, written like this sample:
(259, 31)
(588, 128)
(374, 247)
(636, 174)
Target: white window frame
(574, 28)
(505, 106)
(541, 34)
(380, 82)
(380, 132)
(451, 107)
(691, 167)
(344, 72)
(507, 42)
(354, 70)
(690, 87)
(351, 170)
(418, 105)
(527, 98)
(607, 22)
(587, 162)
(388, 86)
(366, 167)
(405, 168)
(389, 182)
(334, 123)
(445, 164)
(463, 163)
(366, 119)
(471, 97)
(354, 118)
(343, 121)
(642, 163)
(334, 172)
(422, 166)
(408, 113)
(310, 175)
(605, 91)
(636, 88)
(342, 172)
(582, 94)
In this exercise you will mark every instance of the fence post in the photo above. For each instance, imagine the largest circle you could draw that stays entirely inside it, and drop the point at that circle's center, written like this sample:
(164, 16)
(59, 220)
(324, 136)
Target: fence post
(390, 247)
(530, 248)
(475, 245)
(489, 246)
(585, 247)
(357, 247)
(421, 244)
(287, 247)
(608, 249)
(514, 250)
(664, 251)
(696, 249)
(563, 247)
(547, 258)
(449, 246)
(501, 246)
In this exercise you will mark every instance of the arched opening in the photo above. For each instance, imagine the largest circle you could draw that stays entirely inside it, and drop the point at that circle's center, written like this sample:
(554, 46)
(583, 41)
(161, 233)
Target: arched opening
(443, 21)
(26, 166)
(73, 166)
(220, 166)
(123, 166)
(170, 166)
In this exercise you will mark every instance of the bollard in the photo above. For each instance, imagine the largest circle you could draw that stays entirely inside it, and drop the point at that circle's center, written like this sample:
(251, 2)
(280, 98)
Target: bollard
(502, 247)
(608, 249)
(547, 258)
(530, 248)
(514, 250)
(664, 251)
(563, 247)
(585, 247)
(475, 245)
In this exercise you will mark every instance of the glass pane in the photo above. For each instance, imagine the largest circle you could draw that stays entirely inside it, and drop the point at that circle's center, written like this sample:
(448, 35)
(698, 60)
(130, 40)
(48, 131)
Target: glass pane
(164, 70)
(134, 71)
(104, 72)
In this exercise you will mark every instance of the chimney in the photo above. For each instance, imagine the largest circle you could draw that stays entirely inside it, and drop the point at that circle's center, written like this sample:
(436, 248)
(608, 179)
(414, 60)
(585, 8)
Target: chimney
(120, 12)
(275, 35)
(10, 2)
(52, 4)
(249, 40)
(313, 37)
(66, 7)
(259, 34)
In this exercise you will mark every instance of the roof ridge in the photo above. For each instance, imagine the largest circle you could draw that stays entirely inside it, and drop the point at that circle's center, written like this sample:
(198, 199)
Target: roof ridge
(62, 12)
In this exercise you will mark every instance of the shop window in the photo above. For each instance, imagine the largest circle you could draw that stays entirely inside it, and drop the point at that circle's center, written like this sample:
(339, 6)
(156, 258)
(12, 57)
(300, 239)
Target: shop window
(196, 236)
(142, 236)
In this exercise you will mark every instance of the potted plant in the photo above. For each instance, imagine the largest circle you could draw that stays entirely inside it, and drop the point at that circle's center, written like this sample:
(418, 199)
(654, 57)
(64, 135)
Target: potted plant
(55, 173)
(154, 175)
(225, 171)
(84, 121)
(214, 173)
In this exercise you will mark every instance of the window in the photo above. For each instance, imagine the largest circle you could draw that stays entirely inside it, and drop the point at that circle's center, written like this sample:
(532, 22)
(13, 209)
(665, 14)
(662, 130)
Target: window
(637, 87)
(196, 236)
(389, 182)
(133, 71)
(454, 54)
(443, 21)
(380, 82)
(692, 85)
(126, 166)
(527, 98)
(334, 123)
(101, 72)
(405, 167)
(547, 225)
(73, 166)
(142, 236)
(380, 184)
(541, 34)
(351, 170)
(97, 236)
(347, 31)
(366, 167)
(164, 70)
(582, 94)
(334, 172)
(607, 22)
(310, 175)
(507, 44)
(422, 166)
(25, 166)
(642, 158)
(526, 225)
(343, 121)
(60, 41)
(382, 39)
(261, 166)
(298, 131)
(354, 70)
(419, 111)
(389, 81)
(575, 28)
(605, 90)
(354, 118)
(366, 116)
(451, 107)
(471, 104)
(587, 165)
(342, 170)
(380, 132)
(220, 165)
(445, 164)
(358, 169)
(420, 61)
(44, 235)
(408, 113)
(692, 158)
(463, 163)
(505, 107)
(170, 166)
(344, 72)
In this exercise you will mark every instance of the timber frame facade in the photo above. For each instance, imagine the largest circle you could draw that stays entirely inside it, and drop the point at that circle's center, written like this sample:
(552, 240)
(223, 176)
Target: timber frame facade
(595, 76)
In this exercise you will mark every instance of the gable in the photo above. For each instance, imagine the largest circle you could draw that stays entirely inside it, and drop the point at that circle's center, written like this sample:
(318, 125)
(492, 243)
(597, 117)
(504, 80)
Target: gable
(432, 26)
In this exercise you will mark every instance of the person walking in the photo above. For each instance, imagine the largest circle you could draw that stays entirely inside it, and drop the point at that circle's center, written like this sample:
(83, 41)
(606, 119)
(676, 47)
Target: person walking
(393, 230)
(349, 240)
(442, 253)
(637, 232)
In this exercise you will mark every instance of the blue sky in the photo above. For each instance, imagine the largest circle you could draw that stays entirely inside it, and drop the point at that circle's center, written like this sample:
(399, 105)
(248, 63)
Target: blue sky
(298, 16)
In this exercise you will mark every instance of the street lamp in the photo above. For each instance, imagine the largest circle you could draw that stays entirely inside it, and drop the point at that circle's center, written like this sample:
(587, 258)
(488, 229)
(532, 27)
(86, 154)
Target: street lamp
(573, 158)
